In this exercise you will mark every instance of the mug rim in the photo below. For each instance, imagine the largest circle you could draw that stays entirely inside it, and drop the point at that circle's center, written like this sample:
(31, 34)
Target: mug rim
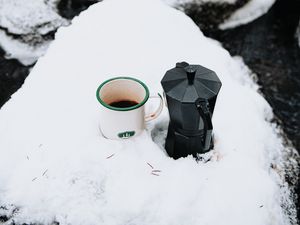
(125, 108)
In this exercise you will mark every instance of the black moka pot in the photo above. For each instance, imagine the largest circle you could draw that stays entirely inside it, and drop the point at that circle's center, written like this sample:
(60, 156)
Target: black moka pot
(191, 92)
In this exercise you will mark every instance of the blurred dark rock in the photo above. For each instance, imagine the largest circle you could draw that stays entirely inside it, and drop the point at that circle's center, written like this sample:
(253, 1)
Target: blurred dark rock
(12, 76)
(298, 34)
(268, 46)
(209, 15)
(70, 8)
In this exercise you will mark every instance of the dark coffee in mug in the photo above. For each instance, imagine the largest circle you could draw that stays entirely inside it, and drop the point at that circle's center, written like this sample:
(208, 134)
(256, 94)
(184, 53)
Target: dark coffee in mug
(123, 103)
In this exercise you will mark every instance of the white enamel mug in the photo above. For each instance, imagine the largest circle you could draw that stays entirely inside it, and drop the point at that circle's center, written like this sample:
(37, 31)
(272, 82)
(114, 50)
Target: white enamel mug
(122, 122)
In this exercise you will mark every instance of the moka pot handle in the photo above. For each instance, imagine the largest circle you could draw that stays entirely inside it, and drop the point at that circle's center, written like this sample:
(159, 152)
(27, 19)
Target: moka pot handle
(203, 109)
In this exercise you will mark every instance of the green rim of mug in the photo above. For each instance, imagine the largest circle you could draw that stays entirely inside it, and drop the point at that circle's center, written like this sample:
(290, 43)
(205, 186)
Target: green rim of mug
(126, 108)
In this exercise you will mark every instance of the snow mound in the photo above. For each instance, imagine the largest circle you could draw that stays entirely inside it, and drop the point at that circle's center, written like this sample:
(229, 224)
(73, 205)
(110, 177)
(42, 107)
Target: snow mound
(25, 27)
(249, 12)
(55, 165)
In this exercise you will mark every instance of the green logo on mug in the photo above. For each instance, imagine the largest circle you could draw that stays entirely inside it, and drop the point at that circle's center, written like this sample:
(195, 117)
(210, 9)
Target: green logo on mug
(126, 134)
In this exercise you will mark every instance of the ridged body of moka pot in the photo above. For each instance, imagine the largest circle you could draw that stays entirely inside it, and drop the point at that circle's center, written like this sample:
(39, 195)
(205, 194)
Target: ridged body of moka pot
(191, 92)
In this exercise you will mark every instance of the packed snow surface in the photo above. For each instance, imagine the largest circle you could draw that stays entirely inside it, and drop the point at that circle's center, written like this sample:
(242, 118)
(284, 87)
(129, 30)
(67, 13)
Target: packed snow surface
(56, 166)
(249, 12)
(24, 26)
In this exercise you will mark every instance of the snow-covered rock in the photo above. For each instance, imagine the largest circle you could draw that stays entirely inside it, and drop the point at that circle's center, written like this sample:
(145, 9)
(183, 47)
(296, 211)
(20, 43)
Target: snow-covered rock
(249, 12)
(242, 13)
(26, 27)
(176, 3)
(54, 163)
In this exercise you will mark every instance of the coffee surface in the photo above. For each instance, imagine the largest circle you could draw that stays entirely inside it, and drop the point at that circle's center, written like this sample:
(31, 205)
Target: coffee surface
(123, 103)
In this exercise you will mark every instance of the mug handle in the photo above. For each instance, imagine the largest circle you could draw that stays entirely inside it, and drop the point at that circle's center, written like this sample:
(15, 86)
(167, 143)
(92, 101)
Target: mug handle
(154, 115)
